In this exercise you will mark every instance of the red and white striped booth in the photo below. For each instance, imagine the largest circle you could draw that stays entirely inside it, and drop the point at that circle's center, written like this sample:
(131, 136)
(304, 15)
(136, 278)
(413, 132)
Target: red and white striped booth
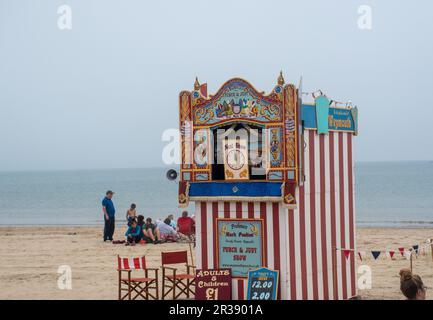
(304, 197)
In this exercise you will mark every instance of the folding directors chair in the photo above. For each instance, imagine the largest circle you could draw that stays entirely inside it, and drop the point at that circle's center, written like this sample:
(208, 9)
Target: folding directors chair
(184, 282)
(136, 286)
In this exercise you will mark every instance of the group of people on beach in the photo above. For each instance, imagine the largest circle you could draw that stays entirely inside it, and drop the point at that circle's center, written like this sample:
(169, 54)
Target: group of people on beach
(141, 230)
(166, 230)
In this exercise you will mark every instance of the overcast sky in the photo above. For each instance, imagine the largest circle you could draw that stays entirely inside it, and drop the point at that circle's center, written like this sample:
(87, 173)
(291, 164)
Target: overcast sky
(100, 95)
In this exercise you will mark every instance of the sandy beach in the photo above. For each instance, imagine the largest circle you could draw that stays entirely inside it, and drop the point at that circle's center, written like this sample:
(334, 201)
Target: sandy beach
(30, 258)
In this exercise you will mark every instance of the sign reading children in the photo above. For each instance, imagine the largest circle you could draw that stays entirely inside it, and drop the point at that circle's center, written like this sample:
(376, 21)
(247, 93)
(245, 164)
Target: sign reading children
(213, 284)
(240, 245)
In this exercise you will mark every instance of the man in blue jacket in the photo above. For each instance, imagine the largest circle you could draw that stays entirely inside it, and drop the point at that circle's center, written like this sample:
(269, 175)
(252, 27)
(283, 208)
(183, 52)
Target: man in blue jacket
(109, 211)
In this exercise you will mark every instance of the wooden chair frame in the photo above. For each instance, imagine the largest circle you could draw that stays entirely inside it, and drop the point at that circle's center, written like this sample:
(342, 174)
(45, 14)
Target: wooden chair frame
(183, 282)
(141, 287)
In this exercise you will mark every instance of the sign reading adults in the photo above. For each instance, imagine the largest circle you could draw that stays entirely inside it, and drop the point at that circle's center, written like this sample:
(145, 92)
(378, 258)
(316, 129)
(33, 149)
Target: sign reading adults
(213, 284)
(240, 245)
(262, 284)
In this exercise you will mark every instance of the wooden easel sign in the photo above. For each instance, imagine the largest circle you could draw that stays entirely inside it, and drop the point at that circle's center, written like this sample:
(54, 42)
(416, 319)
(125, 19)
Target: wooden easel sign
(262, 284)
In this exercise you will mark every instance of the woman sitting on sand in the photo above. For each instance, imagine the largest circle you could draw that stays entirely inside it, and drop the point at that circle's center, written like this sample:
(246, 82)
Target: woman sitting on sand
(165, 230)
(133, 234)
(411, 285)
(130, 213)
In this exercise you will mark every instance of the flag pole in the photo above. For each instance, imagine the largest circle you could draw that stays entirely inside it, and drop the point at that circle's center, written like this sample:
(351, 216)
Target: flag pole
(411, 261)
(431, 246)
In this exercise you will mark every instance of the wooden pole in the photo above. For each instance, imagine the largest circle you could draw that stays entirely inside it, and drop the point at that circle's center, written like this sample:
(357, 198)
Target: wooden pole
(411, 261)
(190, 252)
(431, 246)
(334, 268)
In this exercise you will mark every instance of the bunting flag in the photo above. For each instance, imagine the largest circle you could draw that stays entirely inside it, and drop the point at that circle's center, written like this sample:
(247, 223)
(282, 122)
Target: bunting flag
(417, 249)
(391, 253)
(375, 254)
(408, 254)
(346, 253)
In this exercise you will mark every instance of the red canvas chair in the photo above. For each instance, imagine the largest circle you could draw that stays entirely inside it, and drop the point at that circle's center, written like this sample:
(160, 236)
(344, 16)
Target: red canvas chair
(140, 286)
(175, 280)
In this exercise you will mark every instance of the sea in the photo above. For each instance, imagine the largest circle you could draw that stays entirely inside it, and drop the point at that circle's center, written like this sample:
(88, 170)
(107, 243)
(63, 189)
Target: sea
(388, 194)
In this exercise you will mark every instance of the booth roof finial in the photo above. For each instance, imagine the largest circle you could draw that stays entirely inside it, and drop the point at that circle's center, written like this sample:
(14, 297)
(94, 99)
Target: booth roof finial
(196, 84)
(281, 78)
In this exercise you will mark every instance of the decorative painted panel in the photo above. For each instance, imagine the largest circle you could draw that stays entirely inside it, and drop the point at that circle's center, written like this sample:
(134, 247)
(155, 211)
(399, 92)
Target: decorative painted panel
(275, 147)
(201, 148)
(237, 100)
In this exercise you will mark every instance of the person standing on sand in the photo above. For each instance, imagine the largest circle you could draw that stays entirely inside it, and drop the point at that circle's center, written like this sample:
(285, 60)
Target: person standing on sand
(109, 211)
(131, 213)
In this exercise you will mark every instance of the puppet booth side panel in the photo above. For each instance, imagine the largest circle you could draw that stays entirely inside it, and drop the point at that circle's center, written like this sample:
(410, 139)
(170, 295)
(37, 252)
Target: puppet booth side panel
(323, 220)
(274, 219)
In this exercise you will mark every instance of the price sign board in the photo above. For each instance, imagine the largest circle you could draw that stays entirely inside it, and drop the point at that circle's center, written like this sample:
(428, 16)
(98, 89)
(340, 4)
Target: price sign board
(262, 284)
(213, 284)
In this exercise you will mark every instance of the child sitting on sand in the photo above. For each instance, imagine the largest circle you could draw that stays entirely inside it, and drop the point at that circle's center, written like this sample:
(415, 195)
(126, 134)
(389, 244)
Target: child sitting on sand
(130, 213)
(133, 234)
(411, 285)
(148, 229)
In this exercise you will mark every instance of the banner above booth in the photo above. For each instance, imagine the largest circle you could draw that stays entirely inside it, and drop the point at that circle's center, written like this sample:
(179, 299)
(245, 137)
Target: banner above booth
(338, 119)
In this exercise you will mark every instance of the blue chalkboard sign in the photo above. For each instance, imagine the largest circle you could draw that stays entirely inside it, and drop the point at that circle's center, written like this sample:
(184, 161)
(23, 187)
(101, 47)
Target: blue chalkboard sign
(262, 284)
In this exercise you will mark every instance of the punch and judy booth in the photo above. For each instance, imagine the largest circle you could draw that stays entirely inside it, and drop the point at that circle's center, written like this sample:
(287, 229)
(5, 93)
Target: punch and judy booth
(273, 185)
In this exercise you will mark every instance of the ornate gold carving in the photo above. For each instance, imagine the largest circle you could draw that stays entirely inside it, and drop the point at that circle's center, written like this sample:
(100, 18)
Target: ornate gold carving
(290, 122)
(281, 78)
(290, 100)
(289, 198)
(229, 174)
(185, 128)
(184, 107)
(196, 84)
(244, 173)
(182, 198)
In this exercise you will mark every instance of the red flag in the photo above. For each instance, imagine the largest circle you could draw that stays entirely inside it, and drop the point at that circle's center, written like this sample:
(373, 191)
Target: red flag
(401, 251)
(391, 253)
(203, 90)
(346, 253)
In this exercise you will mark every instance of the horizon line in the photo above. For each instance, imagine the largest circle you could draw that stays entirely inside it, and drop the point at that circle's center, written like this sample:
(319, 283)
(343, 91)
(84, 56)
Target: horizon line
(167, 166)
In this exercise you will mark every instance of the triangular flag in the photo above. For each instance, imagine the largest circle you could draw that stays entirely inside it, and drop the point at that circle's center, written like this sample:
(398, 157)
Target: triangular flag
(416, 248)
(408, 254)
(346, 253)
(401, 251)
(360, 255)
(375, 254)
(391, 253)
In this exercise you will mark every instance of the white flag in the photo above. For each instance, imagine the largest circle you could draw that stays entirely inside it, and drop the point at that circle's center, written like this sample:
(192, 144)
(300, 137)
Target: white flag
(408, 254)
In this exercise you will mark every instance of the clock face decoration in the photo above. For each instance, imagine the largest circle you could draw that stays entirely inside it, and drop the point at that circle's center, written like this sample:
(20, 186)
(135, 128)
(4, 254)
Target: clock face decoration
(235, 159)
